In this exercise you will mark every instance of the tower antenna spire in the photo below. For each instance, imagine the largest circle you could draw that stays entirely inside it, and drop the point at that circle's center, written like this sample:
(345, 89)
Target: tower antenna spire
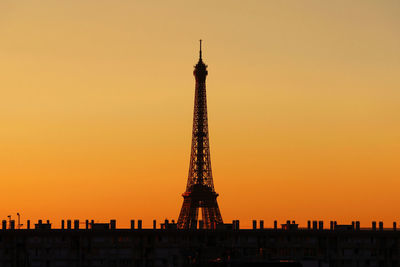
(200, 49)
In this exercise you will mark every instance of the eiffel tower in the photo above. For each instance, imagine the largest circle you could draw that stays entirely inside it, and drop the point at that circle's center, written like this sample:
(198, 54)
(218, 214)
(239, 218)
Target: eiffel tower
(200, 193)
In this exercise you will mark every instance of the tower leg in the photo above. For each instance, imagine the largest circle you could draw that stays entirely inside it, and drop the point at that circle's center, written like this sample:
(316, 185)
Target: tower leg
(210, 211)
(189, 213)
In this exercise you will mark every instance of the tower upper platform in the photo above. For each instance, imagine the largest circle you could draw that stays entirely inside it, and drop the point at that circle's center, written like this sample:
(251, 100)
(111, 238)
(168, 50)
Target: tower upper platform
(200, 70)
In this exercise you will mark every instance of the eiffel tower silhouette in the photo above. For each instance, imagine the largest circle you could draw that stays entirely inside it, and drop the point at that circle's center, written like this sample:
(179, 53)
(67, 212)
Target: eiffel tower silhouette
(200, 192)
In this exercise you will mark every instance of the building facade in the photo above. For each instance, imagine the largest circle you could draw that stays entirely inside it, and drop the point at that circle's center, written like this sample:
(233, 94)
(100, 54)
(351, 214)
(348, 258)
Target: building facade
(225, 246)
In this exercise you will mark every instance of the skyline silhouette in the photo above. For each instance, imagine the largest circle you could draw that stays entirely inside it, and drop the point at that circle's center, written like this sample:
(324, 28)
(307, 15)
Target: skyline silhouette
(96, 104)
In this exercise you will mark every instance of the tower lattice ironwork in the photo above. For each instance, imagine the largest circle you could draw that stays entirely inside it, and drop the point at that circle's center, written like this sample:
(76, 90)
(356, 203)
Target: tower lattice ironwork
(200, 193)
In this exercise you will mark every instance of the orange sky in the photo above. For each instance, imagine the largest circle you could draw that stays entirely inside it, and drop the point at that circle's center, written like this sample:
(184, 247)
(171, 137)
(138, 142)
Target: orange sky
(96, 102)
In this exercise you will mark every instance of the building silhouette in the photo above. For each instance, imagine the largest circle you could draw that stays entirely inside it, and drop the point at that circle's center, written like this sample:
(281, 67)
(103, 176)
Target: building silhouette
(104, 245)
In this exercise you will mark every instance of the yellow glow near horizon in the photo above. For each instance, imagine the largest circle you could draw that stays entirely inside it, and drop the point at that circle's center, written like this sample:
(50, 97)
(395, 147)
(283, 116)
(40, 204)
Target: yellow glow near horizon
(96, 103)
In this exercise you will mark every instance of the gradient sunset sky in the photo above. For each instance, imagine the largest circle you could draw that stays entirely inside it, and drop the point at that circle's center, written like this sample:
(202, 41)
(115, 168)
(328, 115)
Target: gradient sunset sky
(96, 106)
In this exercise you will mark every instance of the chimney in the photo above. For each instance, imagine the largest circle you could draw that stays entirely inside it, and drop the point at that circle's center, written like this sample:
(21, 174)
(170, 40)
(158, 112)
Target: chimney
(76, 224)
(28, 224)
(139, 226)
(315, 225)
(68, 224)
(87, 224)
(113, 224)
(321, 225)
(309, 225)
(374, 226)
(154, 224)
(357, 225)
(62, 224)
(275, 224)
(12, 224)
(132, 224)
(380, 226)
(254, 224)
(331, 225)
(394, 226)
(261, 224)
(4, 224)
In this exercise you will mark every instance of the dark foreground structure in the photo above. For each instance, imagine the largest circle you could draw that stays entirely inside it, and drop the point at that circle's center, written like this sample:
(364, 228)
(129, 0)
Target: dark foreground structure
(193, 242)
(200, 195)
(104, 245)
